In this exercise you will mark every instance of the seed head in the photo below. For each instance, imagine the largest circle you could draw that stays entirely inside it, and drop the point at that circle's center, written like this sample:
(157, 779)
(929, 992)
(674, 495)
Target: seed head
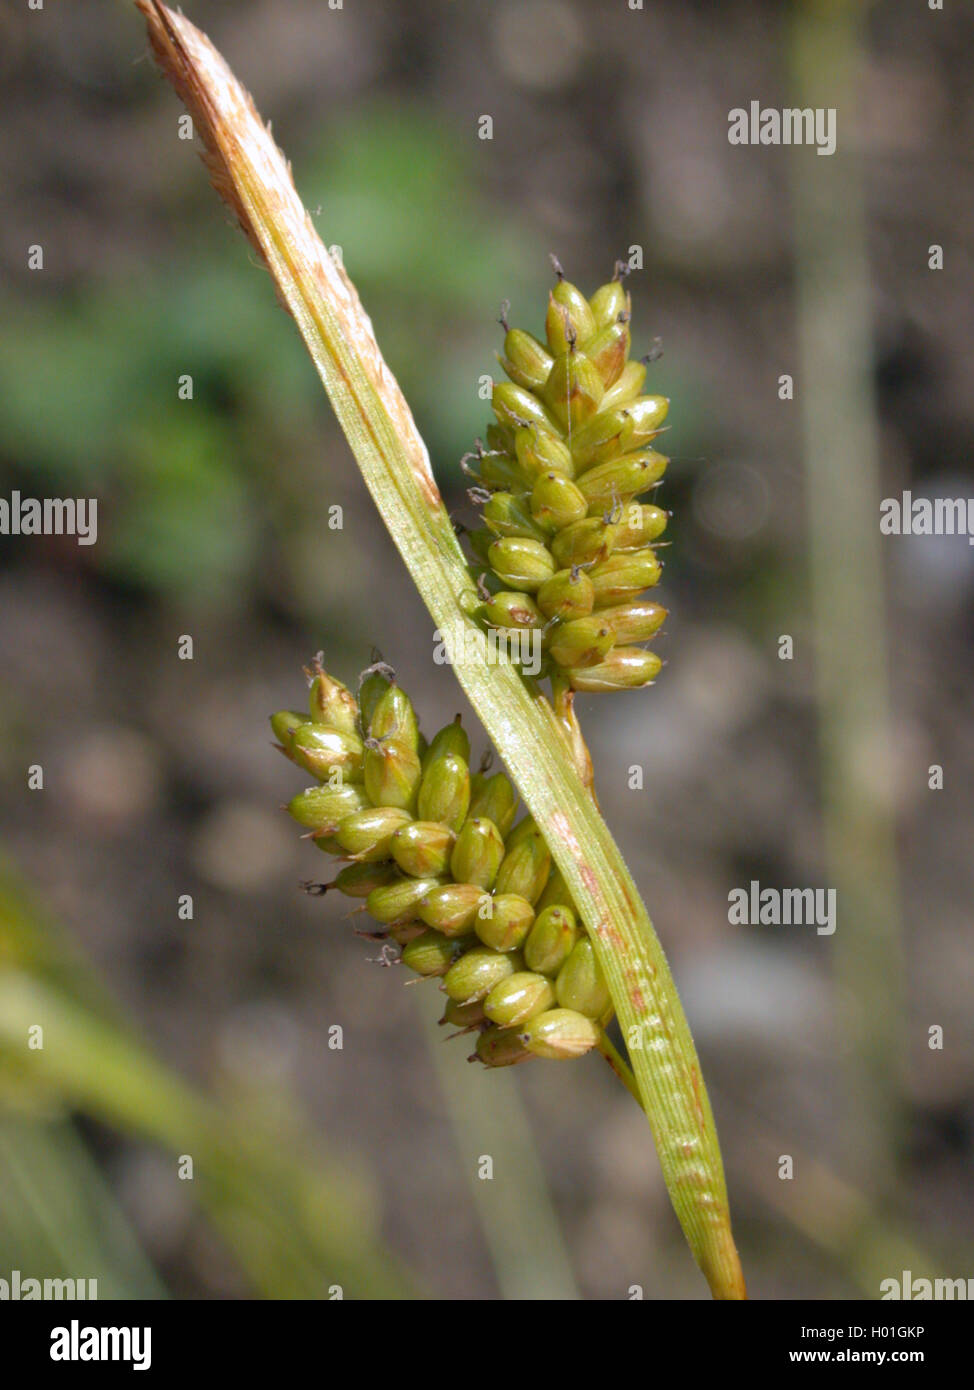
(568, 460)
(433, 852)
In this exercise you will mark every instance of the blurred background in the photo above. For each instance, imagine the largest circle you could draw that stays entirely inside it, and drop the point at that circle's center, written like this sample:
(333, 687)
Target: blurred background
(208, 1036)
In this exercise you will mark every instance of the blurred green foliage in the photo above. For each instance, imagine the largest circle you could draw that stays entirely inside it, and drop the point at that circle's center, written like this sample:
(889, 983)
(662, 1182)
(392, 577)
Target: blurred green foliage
(297, 1223)
(89, 379)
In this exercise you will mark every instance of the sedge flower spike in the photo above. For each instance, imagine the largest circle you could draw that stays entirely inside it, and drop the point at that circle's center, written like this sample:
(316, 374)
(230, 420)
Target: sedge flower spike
(538, 740)
(432, 850)
(567, 541)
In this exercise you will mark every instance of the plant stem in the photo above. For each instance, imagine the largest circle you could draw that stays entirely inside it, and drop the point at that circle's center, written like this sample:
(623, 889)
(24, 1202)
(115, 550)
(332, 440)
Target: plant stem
(249, 171)
(848, 604)
(619, 1065)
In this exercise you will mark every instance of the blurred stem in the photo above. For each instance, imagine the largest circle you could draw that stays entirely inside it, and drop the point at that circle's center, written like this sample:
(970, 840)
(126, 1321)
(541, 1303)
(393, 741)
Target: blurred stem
(57, 1212)
(295, 1228)
(250, 173)
(834, 1215)
(519, 1222)
(841, 448)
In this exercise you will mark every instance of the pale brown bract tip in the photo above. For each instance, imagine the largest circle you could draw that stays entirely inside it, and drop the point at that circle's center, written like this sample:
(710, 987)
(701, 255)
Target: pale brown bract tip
(252, 176)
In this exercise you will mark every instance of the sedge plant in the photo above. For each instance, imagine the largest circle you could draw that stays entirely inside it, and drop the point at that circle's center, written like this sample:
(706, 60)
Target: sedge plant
(567, 548)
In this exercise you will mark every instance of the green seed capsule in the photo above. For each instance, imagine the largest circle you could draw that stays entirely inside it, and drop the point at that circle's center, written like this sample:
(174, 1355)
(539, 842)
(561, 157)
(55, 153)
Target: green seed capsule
(525, 828)
(518, 998)
(525, 867)
(394, 717)
(322, 751)
(608, 302)
(463, 1015)
(393, 772)
(321, 808)
(600, 439)
(480, 543)
(429, 954)
(500, 438)
(404, 932)
(283, 725)
(451, 739)
(525, 360)
(580, 984)
(358, 880)
(495, 799)
(499, 470)
(517, 407)
(328, 844)
(639, 525)
(513, 610)
(581, 642)
(569, 321)
(621, 577)
(540, 452)
(583, 542)
(625, 668)
(478, 853)
(560, 1034)
(445, 791)
(619, 429)
(550, 940)
(644, 416)
(634, 622)
(574, 390)
(556, 502)
(452, 907)
(332, 703)
(422, 848)
(368, 833)
(501, 1047)
(370, 692)
(476, 973)
(620, 479)
(505, 925)
(507, 515)
(521, 563)
(398, 902)
(477, 780)
(556, 893)
(567, 594)
(627, 388)
(608, 351)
